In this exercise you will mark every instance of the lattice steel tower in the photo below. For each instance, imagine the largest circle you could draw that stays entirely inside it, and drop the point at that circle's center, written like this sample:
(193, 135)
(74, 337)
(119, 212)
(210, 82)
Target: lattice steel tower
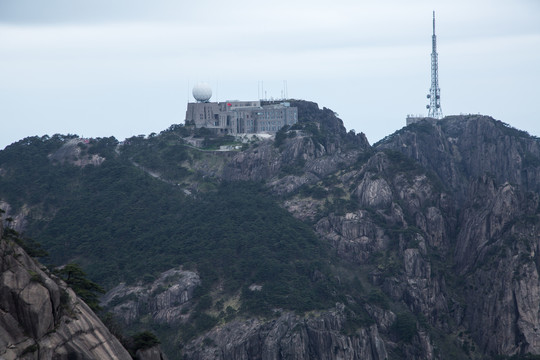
(434, 96)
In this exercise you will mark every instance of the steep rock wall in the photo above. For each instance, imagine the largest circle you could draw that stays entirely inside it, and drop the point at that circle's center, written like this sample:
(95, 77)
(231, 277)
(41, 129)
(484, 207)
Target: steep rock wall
(164, 299)
(291, 337)
(43, 319)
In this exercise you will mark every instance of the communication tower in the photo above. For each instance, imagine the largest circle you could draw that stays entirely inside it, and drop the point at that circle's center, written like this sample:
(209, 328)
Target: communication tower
(434, 96)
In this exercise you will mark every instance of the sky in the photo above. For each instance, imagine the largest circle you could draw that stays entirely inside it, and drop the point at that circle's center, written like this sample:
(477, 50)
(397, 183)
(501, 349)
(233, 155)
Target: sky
(127, 67)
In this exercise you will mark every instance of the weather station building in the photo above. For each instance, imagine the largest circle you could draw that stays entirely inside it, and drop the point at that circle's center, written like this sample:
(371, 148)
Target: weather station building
(237, 117)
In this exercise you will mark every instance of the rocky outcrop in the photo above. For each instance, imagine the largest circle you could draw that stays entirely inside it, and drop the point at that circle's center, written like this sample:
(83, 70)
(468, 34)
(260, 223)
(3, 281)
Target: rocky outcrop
(300, 160)
(19, 219)
(40, 318)
(290, 336)
(165, 299)
(304, 157)
(261, 162)
(401, 220)
(460, 148)
(355, 236)
(74, 151)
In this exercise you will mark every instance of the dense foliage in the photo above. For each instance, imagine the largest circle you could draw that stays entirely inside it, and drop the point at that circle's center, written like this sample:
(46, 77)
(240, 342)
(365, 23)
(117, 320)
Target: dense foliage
(76, 279)
(27, 174)
(164, 154)
(145, 340)
(237, 235)
(31, 247)
(119, 223)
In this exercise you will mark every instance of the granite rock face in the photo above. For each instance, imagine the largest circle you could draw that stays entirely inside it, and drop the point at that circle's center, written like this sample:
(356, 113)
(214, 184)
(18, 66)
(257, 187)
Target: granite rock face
(290, 337)
(479, 211)
(164, 299)
(40, 318)
(73, 152)
(497, 255)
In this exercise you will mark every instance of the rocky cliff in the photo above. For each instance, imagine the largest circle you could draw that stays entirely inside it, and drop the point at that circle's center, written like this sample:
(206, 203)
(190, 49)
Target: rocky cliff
(41, 318)
(320, 336)
(490, 172)
(444, 217)
(165, 299)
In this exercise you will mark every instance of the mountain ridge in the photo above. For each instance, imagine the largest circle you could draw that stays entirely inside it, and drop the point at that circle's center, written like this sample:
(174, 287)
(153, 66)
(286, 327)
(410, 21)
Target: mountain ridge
(418, 229)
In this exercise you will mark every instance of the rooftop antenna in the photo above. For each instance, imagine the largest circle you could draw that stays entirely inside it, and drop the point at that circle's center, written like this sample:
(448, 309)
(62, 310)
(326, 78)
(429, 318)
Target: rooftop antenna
(284, 93)
(434, 96)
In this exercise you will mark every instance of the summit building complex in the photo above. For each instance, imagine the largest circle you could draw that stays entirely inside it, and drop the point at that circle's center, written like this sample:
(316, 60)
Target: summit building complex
(237, 117)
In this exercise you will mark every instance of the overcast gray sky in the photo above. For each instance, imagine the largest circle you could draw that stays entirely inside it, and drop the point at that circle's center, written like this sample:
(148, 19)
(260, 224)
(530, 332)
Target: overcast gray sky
(126, 67)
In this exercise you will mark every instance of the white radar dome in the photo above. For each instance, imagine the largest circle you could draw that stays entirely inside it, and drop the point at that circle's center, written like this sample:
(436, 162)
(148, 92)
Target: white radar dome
(202, 92)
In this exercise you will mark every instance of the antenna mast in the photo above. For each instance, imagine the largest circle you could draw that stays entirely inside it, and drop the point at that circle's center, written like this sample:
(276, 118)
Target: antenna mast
(434, 96)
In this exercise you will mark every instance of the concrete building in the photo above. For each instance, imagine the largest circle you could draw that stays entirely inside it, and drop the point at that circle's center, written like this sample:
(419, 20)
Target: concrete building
(237, 117)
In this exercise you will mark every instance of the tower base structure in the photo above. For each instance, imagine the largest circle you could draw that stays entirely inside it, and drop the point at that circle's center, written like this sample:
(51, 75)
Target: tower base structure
(411, 119)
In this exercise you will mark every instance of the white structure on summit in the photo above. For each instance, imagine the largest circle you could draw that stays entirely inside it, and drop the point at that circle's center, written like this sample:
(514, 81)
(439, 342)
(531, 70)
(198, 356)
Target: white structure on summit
(202, 92)
(237, 117)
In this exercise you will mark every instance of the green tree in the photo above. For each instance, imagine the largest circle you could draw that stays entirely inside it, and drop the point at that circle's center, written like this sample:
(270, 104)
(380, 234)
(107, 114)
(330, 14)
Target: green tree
(145, 340)
(31, 247)
(86, 289)
(405, 326)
